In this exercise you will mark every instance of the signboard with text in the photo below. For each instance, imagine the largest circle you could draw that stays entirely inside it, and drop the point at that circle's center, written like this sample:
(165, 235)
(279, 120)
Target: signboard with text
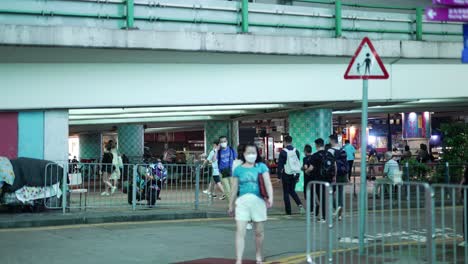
(451, 2)
(465, 39)
(455, 14)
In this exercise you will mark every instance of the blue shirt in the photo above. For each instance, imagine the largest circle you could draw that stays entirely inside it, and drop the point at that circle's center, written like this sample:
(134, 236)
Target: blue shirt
(350, 151)
(226, 158)
(248, 178)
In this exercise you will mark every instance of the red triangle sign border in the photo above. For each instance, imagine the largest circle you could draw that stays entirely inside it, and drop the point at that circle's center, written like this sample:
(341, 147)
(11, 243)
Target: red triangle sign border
(385, 75)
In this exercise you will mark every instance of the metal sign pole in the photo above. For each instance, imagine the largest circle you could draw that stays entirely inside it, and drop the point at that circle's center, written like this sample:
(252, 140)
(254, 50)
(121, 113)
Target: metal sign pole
(363, 189)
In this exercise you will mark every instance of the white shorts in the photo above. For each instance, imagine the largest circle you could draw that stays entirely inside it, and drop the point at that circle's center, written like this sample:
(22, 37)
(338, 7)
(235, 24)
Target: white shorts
(250, 207)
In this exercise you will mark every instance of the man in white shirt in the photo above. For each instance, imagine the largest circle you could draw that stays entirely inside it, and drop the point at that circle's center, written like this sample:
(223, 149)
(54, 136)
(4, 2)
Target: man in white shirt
(390, 170)
(212, 158)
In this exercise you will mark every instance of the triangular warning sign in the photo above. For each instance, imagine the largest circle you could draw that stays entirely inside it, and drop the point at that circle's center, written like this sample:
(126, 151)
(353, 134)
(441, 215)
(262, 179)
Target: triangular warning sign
(366, 63)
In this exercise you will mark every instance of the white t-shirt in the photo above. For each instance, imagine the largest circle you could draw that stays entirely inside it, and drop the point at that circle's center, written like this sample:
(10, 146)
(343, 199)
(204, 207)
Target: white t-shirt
(391, 168)
(214, 162)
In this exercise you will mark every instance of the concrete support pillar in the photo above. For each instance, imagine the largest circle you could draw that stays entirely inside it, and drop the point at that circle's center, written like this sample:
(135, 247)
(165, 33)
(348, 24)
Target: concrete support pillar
(306, 126)
(131, 141)
(9, 134)
(31, 134)
(90, 146)
(56, 135)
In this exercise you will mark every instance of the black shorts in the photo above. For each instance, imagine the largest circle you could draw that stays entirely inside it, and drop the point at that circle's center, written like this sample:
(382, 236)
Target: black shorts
(216, 178)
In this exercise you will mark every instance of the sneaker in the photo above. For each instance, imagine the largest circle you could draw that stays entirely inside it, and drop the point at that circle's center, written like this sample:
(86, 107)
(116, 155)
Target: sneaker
(340, 218)
(249, 226)
(338, 212)
(206, 192)
(222, 197)
(105, 194)
(462, 244)
(113, 190)
(321, 221)
(301, 209)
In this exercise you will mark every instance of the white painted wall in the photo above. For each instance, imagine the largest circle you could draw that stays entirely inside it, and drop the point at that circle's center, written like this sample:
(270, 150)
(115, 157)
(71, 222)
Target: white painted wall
(46, 86)
(56, 135)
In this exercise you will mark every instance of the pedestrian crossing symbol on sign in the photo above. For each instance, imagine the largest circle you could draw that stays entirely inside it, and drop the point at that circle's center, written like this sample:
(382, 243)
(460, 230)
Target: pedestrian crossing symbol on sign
(366, 63)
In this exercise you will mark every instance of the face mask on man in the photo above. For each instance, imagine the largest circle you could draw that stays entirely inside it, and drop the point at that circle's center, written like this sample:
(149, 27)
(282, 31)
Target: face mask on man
(224, 145)
(251, 158)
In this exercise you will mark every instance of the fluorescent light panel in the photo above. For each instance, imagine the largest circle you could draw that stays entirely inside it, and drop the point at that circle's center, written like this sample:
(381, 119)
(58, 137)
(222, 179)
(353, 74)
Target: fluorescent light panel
(143, 115)
(113, 111)
(142, 120)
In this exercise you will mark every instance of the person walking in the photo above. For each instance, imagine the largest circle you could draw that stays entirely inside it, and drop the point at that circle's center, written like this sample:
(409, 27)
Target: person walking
(247, 203)
(322, 168)
(350, 156)
(341, 173)
(311, 166)
(216, 178)
(226, 156)
(112, 163)
(289, 168)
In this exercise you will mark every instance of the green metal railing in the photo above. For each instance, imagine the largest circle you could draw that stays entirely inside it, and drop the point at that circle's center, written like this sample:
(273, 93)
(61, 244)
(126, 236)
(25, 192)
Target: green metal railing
(128, 18)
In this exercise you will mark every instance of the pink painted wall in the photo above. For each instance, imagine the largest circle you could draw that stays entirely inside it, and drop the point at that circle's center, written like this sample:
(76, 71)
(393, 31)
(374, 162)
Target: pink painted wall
(9, 134)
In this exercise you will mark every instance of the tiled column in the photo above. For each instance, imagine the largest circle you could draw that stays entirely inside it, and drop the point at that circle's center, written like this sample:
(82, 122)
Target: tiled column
(214, 130)
(90, 146)
(131, 141)
(306, 126)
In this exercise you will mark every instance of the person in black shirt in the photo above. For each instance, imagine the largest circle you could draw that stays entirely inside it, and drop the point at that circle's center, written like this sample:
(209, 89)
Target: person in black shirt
(313, 171)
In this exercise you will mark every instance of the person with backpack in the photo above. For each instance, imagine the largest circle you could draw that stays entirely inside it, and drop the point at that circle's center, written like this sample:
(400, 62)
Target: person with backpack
(289, 168)
(341, 172)
(226, 157)
(321, 168)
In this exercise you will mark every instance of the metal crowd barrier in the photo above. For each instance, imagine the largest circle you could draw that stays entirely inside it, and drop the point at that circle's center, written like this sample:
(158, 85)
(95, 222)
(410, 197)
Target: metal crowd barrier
(89, 186)
(405, 223)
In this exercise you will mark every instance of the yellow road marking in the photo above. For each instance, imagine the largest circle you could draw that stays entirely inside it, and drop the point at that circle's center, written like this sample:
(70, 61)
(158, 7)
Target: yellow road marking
(47, 228)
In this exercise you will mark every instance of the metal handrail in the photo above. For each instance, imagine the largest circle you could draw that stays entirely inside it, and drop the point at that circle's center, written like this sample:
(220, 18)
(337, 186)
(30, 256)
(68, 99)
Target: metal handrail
(243, 11)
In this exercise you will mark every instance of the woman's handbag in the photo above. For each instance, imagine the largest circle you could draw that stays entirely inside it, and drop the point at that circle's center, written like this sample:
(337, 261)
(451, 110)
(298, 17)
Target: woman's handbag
(261, 184)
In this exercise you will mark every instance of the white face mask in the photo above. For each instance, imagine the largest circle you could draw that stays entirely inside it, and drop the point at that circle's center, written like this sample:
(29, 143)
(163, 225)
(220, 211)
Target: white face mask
(224, 145)
(251, 158)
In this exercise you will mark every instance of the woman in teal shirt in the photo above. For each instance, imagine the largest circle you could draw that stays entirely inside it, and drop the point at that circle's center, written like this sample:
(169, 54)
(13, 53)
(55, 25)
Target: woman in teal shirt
(249, 204)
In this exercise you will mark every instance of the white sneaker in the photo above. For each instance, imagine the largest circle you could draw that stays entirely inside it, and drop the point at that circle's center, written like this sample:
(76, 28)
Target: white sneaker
(338, 212)
(249, 226)
(105, 194)
(113, 190)
(301, 209)
(322, 221)
(462, 244)
(206, 192)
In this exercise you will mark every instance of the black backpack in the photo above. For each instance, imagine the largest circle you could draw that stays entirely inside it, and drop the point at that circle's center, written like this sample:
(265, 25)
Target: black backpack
(327, 166)
(341, 162)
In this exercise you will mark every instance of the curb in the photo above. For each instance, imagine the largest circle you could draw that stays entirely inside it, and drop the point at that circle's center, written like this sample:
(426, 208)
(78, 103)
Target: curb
(100, 218)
